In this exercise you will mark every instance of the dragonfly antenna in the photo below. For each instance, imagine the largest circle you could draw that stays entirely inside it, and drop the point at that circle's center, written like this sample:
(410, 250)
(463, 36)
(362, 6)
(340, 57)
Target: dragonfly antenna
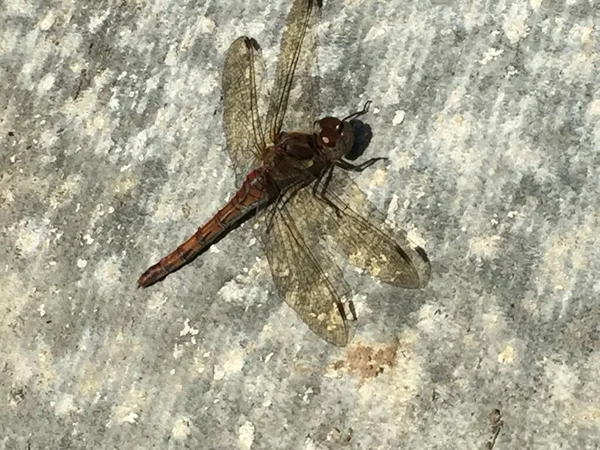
(362, 112)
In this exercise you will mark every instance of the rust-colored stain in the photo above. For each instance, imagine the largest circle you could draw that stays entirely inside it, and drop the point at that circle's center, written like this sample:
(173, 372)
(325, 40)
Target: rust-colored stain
(368, 361)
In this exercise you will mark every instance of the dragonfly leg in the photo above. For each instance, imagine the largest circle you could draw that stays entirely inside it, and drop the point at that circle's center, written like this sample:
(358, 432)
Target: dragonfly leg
(357, 167)
(322, 194)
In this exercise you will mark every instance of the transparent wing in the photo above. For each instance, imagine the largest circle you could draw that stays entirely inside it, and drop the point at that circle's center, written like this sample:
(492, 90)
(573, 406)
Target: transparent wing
(295, 69)
(242, 78)
(305, 276)
(340, 213)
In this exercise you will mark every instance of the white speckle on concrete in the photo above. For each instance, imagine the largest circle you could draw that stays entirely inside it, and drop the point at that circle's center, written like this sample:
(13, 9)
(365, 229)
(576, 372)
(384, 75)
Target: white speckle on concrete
(30, 236)
(205, 25)
(96, 21)
(593, 108)
(187, 329)
(490, 55)
(485, 247)
(377, 32)
(233, 361)
(392, 208)
(114, 104)
(65, 405)
(398, 117)
(246, 435)
(562, 379)
(130, 418)
(218, 373)
(182, 428)
(199, 365)
(156, 301)
(45, 84)
(309, 444)
(507, 355)
(171, 58)
(535, 4)
(108, 271)
(46, 23)
(415, 239)
(177, 351)
(307, 393)
(122, 414)
(515, 27)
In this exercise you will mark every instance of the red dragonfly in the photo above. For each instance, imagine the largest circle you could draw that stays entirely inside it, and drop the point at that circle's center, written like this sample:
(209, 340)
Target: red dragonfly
(296, 187)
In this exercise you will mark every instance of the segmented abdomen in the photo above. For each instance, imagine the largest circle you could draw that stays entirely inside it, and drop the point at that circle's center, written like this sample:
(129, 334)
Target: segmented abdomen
(256, 191)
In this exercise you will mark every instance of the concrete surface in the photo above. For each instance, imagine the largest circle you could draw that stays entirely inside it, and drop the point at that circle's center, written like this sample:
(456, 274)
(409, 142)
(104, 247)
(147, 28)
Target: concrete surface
(112, 152)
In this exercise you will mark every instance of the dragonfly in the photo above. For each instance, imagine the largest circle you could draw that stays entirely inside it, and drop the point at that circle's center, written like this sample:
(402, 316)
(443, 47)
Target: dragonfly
(296, 188)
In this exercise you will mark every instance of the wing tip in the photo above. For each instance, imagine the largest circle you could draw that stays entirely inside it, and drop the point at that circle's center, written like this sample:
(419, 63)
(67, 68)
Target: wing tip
(251, 43)
(424, 268)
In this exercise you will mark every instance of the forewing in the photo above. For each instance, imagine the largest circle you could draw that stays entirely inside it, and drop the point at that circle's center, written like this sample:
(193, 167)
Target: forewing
(242, 77)
(298, 273)
(341, 212)
(295, 70)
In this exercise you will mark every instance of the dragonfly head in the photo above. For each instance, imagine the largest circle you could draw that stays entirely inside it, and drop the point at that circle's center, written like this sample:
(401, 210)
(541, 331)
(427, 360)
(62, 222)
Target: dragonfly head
(334, 136)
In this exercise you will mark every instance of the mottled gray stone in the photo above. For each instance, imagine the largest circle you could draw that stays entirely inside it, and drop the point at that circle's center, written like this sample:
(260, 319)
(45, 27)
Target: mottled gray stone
(112, 152)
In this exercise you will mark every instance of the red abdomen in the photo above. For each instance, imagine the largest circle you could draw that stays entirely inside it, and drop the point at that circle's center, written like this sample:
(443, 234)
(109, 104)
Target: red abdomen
(256, 191)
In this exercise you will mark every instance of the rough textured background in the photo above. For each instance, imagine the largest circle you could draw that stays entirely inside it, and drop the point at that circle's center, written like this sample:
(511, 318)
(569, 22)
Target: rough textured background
(111, 152)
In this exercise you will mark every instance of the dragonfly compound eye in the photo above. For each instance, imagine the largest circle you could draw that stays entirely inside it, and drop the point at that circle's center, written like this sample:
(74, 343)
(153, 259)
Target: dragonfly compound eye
(331, 129)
